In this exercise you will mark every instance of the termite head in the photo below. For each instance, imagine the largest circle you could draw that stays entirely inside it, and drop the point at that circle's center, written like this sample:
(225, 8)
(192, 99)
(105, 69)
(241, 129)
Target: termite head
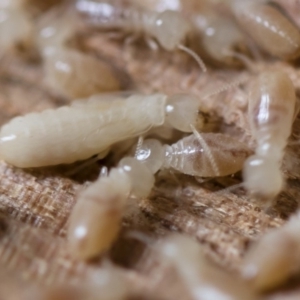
(262, 177)
(170, 29)
(182, 110)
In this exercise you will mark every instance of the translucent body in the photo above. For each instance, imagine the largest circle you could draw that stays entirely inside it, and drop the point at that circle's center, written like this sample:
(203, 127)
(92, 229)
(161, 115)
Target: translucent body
(141, 178)
(203, 280)
(222, 37)
(70, 72)
(183, 110)
(274, 258)
(169, 28)
(72, 133)
(189, 156)
(216, 34)
(268, 27)
(96, 218)
(75, 74)
(271, 112)
(152, 154)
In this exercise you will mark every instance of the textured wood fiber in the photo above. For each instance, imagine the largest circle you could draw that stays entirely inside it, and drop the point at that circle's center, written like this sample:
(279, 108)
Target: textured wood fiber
(36, 204)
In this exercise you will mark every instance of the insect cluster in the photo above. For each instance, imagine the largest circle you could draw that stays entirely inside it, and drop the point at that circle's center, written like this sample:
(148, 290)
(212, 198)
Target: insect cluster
(148, 135)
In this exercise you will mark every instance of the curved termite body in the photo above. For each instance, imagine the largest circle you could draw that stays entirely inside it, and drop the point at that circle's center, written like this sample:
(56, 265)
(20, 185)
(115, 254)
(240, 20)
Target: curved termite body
(215, 35)
(96, 218)
(214, 155)
(74, 74)
(169, 28)
(72, 133)
(274, 258)
(69, 72)
(271, 111)
(203, 280)
(268, 27)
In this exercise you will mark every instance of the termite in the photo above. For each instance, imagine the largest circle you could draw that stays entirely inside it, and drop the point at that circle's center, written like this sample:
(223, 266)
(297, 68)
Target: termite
(96, 217)
(271, 112)
(77, 132)
(215, 34)
(70, 72)
(204, 280)
(274, 258)
(205, 155)
(168, 28)
(268, 27)
(95, 220)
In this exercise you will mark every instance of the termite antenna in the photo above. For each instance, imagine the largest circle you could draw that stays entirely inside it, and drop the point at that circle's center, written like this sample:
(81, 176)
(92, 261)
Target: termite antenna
(138, 146)
(206, 149)
(227, 86)
(194, 55)
(241, 57)
(230, 188)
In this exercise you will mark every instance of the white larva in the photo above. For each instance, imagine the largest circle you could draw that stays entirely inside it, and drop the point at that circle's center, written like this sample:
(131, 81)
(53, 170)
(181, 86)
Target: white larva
(271, 112)
(71, 133)
(77, 132)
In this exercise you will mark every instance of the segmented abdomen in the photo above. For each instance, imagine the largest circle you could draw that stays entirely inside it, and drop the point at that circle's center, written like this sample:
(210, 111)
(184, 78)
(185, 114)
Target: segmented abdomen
(69, 134)
(116, 14)
(190, 157)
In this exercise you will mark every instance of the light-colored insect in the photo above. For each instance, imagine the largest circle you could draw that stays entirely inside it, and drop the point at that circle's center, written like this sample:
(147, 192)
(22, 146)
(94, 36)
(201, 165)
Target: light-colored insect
(77, 132)
(271, 111)
(219, 36)
(72, 133)
(204, 280)
(268, 27)
(96, 218)
(70, 72)
(274, 258)
(168, 28)
(205, 155)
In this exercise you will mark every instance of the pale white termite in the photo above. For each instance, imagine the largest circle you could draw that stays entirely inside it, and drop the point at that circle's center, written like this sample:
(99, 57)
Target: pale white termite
(214, 34)
(219, 35)
(274, 258)
(72, 133)
(96, 217)
(271, 112)
(77, 132)
(204, 280)
(168, 28)
(70, 72)
(268, 27)
(205, 155)
(95, 220)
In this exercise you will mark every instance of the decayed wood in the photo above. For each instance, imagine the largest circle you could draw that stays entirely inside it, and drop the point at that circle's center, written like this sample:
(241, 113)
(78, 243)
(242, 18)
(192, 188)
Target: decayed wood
(36, 204)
